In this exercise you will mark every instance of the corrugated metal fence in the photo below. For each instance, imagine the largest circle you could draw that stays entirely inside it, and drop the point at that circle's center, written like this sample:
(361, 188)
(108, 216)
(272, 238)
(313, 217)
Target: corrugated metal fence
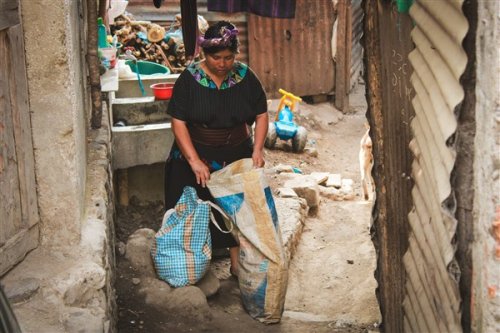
(432, 300)
(357, 48)
(294, 54)
(414, 66)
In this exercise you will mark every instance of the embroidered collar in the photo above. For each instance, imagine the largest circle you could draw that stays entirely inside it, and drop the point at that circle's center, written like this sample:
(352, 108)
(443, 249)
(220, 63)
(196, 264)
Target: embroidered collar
(235, 76)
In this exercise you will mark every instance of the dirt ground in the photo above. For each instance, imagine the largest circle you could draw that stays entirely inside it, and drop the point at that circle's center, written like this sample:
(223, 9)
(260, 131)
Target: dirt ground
(331, 285)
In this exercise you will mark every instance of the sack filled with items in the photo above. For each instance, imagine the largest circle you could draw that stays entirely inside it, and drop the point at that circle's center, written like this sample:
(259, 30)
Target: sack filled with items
(243, 193)
(182, 249)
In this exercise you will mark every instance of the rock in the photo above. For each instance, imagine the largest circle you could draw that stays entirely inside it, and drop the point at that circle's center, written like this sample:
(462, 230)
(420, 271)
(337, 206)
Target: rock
(136, 281)
(285, 192)
(21, 290)
(313, 152)
(305, 187)
(191, 301)
(290, 175)
(154, 285)
(187, 301)
(334, 180)
(283, 168)
(138, 251)
(209, 284)
(320, 177)
(347, 182)
(121, 247)
(83, 321)
(347, 189)
(331, 193)
(79, 284)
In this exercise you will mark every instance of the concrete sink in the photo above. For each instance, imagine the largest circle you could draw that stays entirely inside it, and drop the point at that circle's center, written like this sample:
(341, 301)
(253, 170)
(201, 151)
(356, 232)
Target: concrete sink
(141, 131)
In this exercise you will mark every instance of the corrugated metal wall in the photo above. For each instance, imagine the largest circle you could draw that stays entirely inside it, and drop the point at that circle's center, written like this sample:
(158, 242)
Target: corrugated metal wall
(144, 10)
(357, 34)
(432, 300)
(294, 54)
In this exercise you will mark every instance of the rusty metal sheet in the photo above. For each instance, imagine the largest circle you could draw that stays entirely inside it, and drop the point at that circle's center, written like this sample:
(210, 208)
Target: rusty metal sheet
(294, 54)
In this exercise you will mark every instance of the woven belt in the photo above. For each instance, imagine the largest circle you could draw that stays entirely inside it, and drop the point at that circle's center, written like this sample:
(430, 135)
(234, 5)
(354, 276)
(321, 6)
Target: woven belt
(219, 136)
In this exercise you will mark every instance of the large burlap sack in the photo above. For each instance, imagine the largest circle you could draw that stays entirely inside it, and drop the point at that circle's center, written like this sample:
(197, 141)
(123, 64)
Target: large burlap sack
(243, 193)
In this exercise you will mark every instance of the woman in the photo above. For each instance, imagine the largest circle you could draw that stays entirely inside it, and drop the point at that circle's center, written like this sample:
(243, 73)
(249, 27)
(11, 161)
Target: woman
(213, 105)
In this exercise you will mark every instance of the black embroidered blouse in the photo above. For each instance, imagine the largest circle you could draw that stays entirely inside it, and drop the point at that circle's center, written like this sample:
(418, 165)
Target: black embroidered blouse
(196, 100)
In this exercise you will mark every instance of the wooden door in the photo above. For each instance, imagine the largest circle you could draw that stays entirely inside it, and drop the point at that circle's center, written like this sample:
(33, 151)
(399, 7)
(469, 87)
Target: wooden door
(19, 231)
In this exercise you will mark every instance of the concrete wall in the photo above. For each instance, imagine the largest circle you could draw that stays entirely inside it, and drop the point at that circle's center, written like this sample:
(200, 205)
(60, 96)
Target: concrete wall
(55, 77)
(146, 182)
(486, 249)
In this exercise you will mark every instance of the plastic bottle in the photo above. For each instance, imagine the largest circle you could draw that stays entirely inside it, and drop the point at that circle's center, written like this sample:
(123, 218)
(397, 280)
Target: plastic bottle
(101, 34)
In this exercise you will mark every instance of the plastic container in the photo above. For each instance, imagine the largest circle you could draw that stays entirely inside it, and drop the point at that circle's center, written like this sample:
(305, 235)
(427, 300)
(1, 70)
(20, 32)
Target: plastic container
(404, 5)
(108, 56)
(102, 34)
(162, 90)
(147, 67)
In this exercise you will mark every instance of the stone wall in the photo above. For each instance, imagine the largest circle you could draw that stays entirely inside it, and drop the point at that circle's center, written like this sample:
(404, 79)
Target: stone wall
(486, 246)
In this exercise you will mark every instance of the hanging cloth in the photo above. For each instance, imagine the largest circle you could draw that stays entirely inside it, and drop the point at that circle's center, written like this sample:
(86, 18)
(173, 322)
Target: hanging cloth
(267, 8)
(189, 14)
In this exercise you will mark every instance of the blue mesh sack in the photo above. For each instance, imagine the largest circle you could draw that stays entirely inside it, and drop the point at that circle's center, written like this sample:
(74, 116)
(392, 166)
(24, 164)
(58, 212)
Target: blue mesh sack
(182, 249)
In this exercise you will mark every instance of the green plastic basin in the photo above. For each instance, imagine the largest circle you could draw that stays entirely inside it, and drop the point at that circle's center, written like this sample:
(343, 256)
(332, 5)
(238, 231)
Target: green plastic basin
(147, 67)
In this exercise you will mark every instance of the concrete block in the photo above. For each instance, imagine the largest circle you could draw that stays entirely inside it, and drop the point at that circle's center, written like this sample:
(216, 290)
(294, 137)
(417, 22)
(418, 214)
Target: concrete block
(292, 213)
(331, 193)
(283, 168)
(334, 180)
(307, 188)
(320, 177)
(285, 192)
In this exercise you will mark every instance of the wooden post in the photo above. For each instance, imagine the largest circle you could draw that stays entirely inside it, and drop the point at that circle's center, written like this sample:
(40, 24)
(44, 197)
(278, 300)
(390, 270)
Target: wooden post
(93, 63)
(343, 55)
(122, 175)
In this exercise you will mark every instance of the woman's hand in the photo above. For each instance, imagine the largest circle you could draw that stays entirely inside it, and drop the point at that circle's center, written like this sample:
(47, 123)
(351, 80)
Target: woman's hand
(261, 125)
(258, 158)
(201, 172)
(183, 139)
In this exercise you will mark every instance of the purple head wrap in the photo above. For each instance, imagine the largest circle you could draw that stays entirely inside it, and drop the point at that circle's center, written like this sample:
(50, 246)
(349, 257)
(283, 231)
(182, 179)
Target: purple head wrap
(227, 36)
